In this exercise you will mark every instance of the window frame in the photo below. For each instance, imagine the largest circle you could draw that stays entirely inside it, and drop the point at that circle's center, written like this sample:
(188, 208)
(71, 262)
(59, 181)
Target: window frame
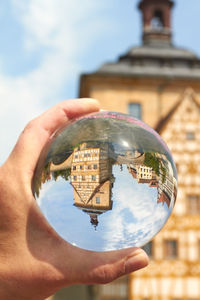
(190, 135)
(135, 109)
(98, 200)
(194, 209)
(93, 177)
(166, 244)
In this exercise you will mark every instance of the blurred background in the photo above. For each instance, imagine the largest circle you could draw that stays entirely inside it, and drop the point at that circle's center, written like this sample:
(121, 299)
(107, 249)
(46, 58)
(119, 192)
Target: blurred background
(138, 57)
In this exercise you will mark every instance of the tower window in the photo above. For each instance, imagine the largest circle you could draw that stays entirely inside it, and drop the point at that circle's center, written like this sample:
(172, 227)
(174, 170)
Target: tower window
(157, 20)
(135, 110)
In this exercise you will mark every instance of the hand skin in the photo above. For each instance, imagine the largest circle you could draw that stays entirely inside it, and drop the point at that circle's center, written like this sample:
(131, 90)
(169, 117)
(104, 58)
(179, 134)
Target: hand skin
(34, 260)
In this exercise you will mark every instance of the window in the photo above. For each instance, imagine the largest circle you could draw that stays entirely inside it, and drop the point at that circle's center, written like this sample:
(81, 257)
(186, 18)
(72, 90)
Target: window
(148, 248)
(193, 204)
(75, 178)
(157, 20)
(135, 110)
(170, 249)
(89, 167)
(81, 167)
(83, 178)
(97, 200)
(93, 177)
(74, 167)
(190, 135)
(95, 166)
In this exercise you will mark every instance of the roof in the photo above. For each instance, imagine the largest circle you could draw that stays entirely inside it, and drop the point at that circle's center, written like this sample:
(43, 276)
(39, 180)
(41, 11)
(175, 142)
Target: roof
(155, 60)
(160, 51)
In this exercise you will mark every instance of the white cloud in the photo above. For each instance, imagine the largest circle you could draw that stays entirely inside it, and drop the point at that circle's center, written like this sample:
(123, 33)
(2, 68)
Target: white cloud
(136, 217)
(58, 32)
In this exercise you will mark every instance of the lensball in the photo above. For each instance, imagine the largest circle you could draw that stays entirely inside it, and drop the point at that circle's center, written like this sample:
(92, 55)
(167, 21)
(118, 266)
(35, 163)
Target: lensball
(106, 181)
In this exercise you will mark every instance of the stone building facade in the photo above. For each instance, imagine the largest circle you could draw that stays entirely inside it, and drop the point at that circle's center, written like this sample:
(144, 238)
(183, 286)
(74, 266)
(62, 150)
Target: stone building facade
(160, 84)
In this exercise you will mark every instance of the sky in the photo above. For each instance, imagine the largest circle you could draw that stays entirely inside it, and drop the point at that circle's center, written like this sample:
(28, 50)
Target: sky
(134, 219)
(46, 44)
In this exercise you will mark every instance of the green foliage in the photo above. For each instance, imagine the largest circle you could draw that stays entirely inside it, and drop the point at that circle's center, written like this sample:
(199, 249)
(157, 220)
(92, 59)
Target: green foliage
(65, 174)
(154, 162)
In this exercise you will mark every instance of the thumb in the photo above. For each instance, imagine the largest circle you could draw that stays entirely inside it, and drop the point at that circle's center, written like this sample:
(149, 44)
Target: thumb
(106, 267)
(90, 267)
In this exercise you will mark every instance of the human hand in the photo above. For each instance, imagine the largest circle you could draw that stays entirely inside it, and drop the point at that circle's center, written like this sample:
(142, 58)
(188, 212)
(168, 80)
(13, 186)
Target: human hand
(35, 261)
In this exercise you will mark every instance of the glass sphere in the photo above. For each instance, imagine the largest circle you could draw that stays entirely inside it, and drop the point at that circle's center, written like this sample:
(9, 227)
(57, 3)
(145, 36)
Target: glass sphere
(106, 181)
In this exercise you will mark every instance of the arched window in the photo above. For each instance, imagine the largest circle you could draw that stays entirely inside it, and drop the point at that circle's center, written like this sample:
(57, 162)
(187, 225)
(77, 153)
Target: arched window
(157, 20)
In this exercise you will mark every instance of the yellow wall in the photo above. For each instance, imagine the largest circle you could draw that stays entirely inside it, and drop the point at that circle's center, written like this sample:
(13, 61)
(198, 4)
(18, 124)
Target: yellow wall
(156, 96)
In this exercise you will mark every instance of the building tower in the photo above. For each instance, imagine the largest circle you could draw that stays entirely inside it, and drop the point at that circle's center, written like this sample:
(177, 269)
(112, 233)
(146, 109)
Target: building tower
(156, 21)
(148, 80)
(160, 84)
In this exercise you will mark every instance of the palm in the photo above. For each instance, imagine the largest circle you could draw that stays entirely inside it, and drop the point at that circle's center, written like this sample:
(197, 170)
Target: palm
(36, 261)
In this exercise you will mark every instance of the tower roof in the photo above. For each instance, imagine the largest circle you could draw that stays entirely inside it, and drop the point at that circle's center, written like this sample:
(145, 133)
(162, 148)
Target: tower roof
(157, 56)
(151, 61)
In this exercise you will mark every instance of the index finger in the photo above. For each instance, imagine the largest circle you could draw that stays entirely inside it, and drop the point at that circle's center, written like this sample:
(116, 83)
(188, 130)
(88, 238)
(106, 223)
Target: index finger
(38, 132)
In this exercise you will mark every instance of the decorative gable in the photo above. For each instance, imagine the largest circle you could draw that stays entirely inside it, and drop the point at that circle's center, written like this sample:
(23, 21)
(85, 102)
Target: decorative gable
(181, 132)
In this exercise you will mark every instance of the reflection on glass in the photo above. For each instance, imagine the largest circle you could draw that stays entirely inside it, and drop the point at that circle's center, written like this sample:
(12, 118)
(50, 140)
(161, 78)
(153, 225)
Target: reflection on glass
(92, 180)
(107, 181)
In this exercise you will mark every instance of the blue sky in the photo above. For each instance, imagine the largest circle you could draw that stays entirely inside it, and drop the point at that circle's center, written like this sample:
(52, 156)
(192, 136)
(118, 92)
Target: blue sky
(46, 44)
(134, 219)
